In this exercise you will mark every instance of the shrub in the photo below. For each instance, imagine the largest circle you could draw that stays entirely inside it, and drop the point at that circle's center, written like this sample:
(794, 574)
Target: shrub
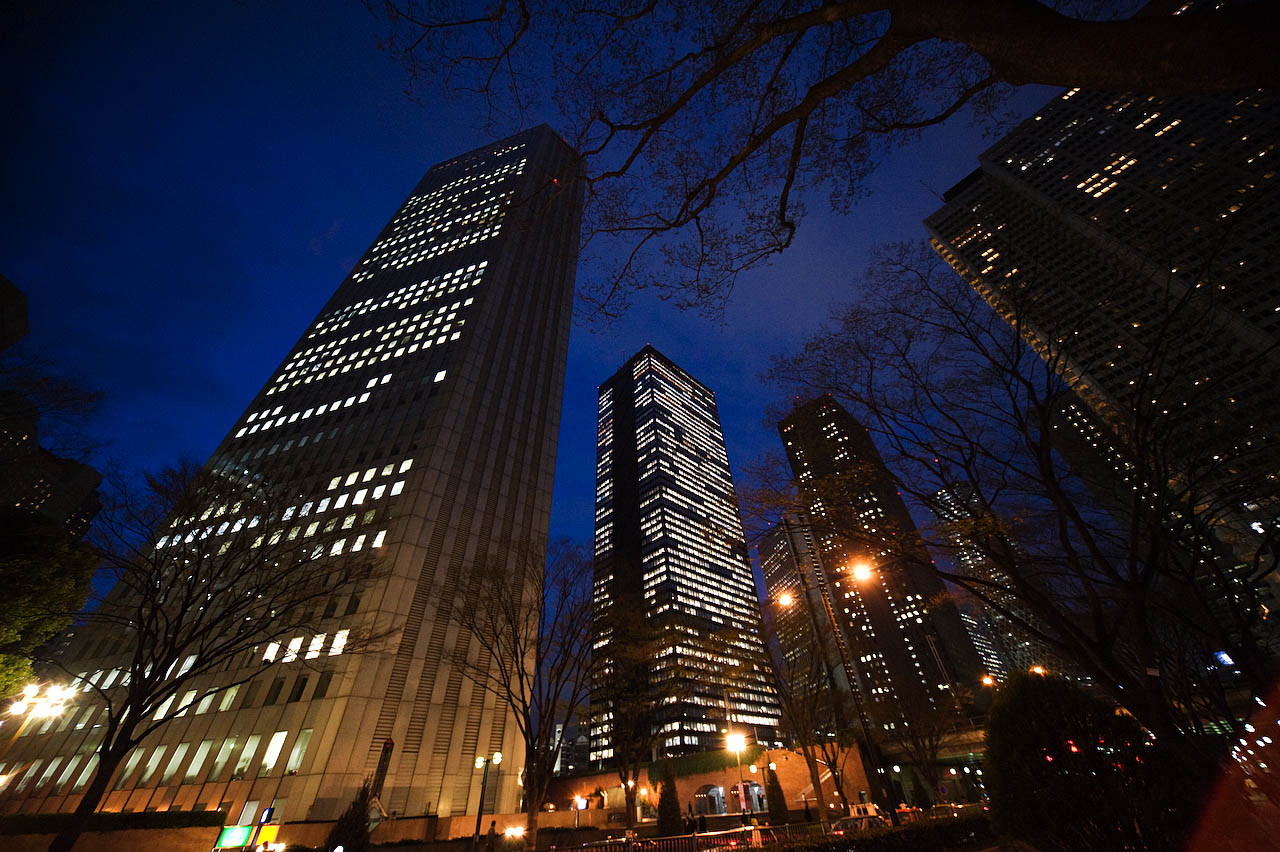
(1066, 770)
(670, 819)
(925, 836)
(351, 831)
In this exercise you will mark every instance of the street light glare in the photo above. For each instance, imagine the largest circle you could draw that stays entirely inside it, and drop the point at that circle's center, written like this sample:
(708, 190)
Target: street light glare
(785, 599)
(479, 761)
(17, 708)
(735, 742)
(862, 571)
(497, 758)
(31, 690)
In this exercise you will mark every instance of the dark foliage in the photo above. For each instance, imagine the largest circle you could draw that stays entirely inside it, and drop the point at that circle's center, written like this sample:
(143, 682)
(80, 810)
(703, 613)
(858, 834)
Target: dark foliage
(44, 580)
(351, 831)
(776, 798)
(701, 762)
(924, 836)
(670, 819)
(1066, 770)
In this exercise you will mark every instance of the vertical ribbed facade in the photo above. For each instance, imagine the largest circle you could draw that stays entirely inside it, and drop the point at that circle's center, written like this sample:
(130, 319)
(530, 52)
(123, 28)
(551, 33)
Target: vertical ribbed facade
(669, 549)
(420, 410)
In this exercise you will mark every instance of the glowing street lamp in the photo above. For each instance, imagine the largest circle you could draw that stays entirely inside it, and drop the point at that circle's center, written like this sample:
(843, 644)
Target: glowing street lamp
(988, 680)
(35, 703)
(1039, 670)
(483, 762)
(736, 742)
(785, 599)
(863, 571)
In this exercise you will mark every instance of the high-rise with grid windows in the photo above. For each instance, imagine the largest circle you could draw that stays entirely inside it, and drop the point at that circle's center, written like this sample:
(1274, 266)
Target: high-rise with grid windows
(671, 561)
(901, 628)
(420, 410)
(1132, 238)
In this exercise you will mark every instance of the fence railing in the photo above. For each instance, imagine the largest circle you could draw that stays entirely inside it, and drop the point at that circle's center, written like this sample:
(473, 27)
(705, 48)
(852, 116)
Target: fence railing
(732, 838)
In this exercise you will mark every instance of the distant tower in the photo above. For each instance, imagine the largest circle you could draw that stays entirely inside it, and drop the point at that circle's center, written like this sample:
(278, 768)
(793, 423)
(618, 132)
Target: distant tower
(420, 409)
(1002, 643)
(670, 551)
(902, 629)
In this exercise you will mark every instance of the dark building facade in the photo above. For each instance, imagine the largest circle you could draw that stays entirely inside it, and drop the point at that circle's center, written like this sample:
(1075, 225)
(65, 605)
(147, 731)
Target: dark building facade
(1132, 239)
(670, 554)
(419, 412)
(902, 629)
(34, 482)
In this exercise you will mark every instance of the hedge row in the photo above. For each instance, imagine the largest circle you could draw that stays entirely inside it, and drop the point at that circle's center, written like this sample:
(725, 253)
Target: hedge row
(933, 835)
(702, 761)
(53, 823)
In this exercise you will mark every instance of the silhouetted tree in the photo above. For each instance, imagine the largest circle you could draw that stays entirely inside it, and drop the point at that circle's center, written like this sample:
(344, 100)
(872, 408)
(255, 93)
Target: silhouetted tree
(214, 573)
(952, 393)
(351, 831)
(1066, 771)
(533, 624)
(705, 125)
(670, 817)
(778, 812)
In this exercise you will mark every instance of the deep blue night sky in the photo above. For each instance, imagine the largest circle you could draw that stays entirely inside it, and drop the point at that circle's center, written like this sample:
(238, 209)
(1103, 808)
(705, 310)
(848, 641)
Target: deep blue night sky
(185, 184)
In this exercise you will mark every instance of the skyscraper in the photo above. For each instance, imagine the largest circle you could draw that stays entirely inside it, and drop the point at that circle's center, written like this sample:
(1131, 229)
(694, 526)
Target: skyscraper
(799, 590)
(670, 553)
(420, 410)
(1133, 239)
(903, 631)
(998, 635)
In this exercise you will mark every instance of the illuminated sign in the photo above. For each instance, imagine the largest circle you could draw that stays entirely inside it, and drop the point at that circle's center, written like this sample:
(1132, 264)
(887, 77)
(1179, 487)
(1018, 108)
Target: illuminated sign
(234, 835)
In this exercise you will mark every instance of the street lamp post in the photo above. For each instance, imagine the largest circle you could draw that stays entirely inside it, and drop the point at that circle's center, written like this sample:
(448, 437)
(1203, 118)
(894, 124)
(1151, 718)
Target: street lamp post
(736, 743)
(483, 762)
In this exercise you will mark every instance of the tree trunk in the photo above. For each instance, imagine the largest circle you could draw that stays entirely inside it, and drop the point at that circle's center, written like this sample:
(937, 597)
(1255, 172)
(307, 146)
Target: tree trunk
(108, 762)
(815, 778)
(629, 794)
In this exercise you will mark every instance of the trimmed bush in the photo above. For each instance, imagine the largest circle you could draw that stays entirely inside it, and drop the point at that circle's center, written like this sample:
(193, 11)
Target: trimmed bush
(700, 762)
(670, 818)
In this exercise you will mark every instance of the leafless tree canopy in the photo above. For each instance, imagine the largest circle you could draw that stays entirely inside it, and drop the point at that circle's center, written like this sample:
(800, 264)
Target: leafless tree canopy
(210, 570)
(533, 626)
(705, 124)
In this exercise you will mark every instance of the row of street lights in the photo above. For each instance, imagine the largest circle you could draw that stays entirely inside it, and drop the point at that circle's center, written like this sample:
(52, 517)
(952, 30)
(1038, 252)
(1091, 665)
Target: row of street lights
(35, 702)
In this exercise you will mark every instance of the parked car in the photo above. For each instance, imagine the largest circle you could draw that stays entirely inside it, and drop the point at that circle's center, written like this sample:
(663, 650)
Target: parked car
(944, 810)
(863, 817)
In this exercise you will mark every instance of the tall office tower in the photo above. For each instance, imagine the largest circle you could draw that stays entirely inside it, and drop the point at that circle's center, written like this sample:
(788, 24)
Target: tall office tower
(902, 628)
(420, 410)
(670, 555)
(799, 593)
(1133, 238)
